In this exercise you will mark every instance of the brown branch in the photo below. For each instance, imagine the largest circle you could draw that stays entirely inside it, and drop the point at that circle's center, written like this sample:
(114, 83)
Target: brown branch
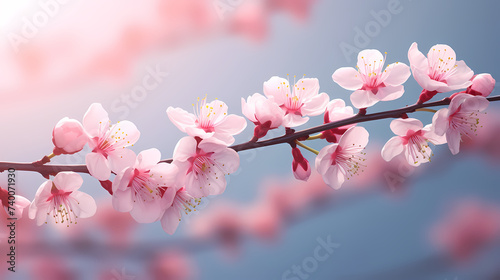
(46, 170)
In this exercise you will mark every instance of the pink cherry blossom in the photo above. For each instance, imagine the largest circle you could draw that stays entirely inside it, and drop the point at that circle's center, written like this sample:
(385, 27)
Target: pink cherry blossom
(61, 199)
(336, 111)
(68, 137)
(204, 164)
(482, 85)
(264, 113)
(182, 202)
(108, 143)
(412, 139)
(300, 165)
(439, 71)
(141, 188)
(370, 81)
(209, 120)
(460, 119)
(336, 162)
(13, 204)
(303, 101)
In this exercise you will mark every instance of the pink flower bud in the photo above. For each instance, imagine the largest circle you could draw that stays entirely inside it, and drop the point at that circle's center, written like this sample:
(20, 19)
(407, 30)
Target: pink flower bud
(68, 137)
(482, 84)
(300, 165)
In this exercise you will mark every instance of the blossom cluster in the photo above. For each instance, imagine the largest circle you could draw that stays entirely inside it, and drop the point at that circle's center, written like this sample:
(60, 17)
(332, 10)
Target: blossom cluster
(152, 189)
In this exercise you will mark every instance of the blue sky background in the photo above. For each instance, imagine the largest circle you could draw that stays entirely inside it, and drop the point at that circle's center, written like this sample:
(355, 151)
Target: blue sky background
(376, 233)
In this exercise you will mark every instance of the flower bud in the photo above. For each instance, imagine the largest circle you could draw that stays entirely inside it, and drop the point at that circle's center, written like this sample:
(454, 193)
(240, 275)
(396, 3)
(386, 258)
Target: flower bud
(482, 84)
(300, 165)
(68, 137)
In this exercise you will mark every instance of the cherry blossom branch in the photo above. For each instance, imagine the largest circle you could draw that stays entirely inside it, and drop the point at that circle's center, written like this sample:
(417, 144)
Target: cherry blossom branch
(356, 119)
(46, 170)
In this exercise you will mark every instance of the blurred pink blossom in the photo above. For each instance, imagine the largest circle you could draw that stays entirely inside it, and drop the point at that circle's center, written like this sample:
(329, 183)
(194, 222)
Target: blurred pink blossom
(469, 227)
(172, 265)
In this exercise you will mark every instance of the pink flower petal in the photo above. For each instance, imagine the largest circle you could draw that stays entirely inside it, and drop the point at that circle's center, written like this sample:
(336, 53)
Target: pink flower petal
(148, 158)
(307, 88)
(323, 160)
(334, 177)
(348, 78)
(363, 99)
(168, 173)
(453, 138)
(367, 57)
(277, 88)
(126, 134)
(229, 158)
(440, 121)
(402, 126)
(392, 148)
(389, 93)
(121, 159)
(170, 220)
(355, 138)
(122, 180)
(316, 106)
(248, 107)
(396, 74)
(181, 118)
(123, 200)
(185, 148)
(68, 181)
(195, 187)
(196, 131)
(86, 204)
(293, 120)
(440, 51)
(96, 120)
(146, 212)
(231, 124)
(426, 82)
(417, 59)
(475, 103)
(98, 166)
(460, 78)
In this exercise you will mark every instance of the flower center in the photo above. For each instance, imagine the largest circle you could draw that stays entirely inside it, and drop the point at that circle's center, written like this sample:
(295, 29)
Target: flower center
(114, 137)
(466, 123)
(349, 160)
(208, 115)
(185, 202)
(62, 211)
(144, 187)
(441, 65)
(417, 146)
(371, 73)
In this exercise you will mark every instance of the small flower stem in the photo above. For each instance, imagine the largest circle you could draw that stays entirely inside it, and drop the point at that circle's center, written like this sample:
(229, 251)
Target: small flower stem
(306, 147)
(425, 110)
(45, 159)
(314, 137)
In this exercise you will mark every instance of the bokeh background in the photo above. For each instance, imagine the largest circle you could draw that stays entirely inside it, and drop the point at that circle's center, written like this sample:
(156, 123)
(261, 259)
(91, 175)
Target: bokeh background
(58, 57)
